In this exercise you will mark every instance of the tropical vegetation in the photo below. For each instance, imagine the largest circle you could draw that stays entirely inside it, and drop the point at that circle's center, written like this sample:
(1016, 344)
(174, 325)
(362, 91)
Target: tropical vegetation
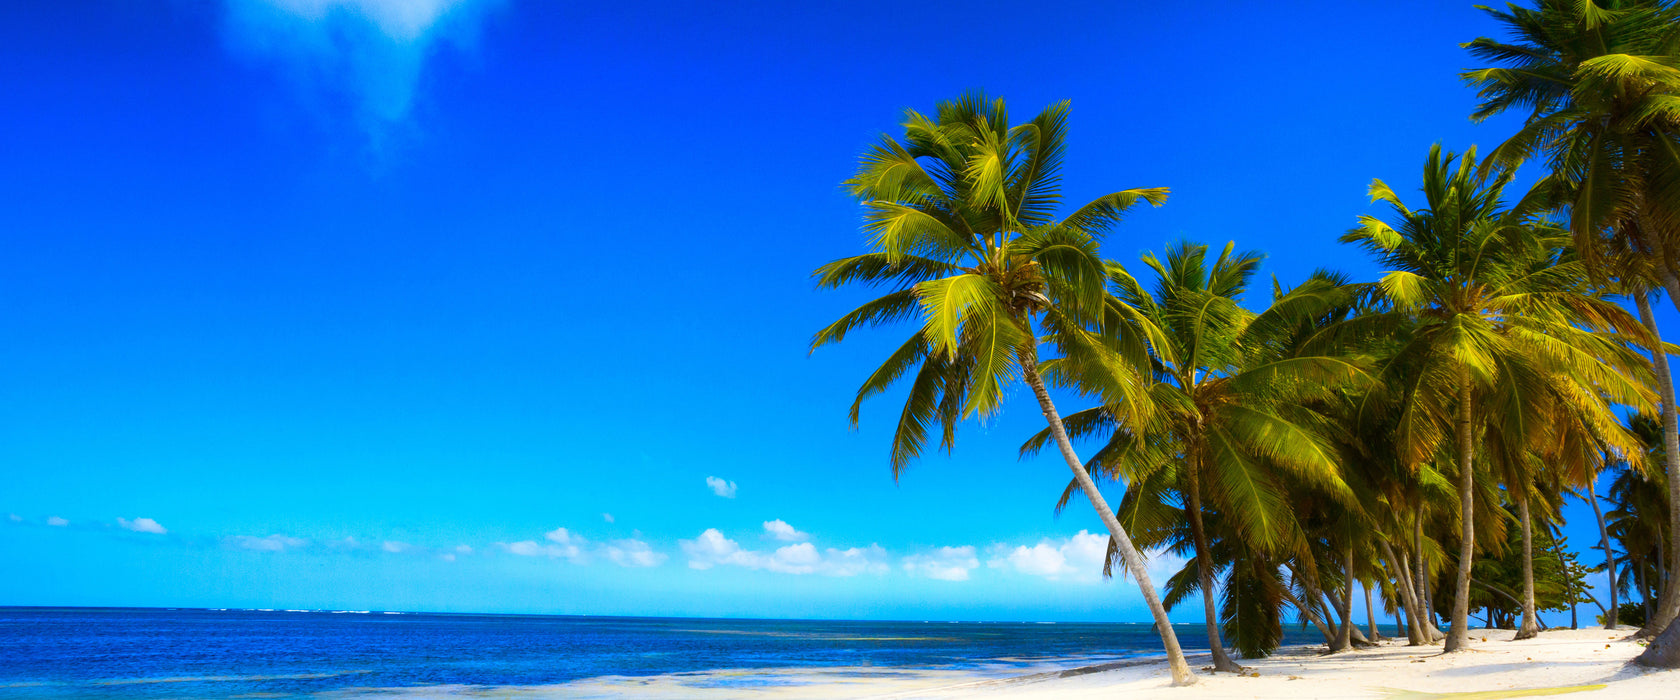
(1411, 438)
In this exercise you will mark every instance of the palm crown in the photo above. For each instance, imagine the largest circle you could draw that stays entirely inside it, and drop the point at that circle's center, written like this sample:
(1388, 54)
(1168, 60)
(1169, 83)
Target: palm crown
(1599, 83)
(959, 215)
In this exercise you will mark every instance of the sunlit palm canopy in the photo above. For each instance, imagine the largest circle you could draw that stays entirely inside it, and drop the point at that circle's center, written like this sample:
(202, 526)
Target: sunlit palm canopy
(1234, 389)
(960, 213)
(1496, 292)
(1599, 85)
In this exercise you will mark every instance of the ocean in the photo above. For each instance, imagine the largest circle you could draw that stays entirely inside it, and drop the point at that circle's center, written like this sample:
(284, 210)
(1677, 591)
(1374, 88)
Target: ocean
(186, 653)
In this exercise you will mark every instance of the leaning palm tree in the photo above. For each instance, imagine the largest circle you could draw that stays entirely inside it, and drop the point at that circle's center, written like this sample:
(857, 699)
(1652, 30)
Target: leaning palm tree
(1600, 83)
(960, 213)
(1234, 390)
(1502, 320)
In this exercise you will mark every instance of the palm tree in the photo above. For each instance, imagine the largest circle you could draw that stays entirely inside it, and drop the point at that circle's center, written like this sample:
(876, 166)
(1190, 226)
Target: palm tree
(1570, 458)
(1639, 514)
(1502, 320)
(960, 213)
(1400, 494)
(1599, 82)
(1232, 396)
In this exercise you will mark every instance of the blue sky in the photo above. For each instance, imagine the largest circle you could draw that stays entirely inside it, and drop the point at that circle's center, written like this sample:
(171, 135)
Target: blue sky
(464, 304)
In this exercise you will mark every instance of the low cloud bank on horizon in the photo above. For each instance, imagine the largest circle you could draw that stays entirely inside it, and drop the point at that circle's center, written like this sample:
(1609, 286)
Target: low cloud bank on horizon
(1075, 559)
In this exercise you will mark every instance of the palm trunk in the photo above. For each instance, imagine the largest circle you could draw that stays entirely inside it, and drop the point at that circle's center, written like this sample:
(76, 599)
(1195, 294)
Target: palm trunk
(1402, 621)
(1407, 602)
(1357, 636)
(1660, 585)
(1371, 616)
(1426, 592)
(1204, 565)
(1609, 554)
(1028, 356)
(1413, 630)
(1530, 628)
(1459, 635)
(1644, 590)
(1331, 621)
(1344, 634)
(1309, 612)
(1669, 608)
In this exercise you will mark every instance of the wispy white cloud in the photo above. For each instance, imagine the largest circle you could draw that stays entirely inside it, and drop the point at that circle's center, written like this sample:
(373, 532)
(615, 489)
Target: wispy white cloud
(607, 517)
(372, 51)
(560, 544)
(712, 548)
(394, 547)
(721, 487)
(271, 543)
(854, 561)
(782, 531)
(570, 545)
(1077, 558)
(14, 517)
(146, 525)
(945, 563)
(56, 521)
(634, 553)
(463, 549)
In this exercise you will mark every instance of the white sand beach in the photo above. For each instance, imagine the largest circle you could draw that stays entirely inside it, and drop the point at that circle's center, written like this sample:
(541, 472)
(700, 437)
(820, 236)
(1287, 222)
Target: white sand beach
(1497, 668)
(1586, 663)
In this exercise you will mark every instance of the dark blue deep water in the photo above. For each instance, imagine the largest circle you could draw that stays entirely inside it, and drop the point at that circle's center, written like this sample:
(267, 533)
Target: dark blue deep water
(155, 653)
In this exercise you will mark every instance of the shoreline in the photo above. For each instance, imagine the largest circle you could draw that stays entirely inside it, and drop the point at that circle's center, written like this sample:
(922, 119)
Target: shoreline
(1586, 663)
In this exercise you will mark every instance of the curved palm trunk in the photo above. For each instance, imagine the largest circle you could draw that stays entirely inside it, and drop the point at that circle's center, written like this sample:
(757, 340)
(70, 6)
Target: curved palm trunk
(1204, 566)
(1413, 628)
(1402, 620)
(1426, 588)
(1609, 554)
(1134, 561)
(1344, 634)
(1530, 628)
(1357, 636)
(1308, 612)
(1669, 607)
(1371, 616)
(1459, 635)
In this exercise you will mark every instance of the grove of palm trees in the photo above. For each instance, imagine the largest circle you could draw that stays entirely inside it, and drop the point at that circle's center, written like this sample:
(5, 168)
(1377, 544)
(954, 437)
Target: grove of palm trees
(1331, 449)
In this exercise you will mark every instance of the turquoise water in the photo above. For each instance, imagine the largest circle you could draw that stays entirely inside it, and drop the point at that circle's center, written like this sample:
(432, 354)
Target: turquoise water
(155, 653)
